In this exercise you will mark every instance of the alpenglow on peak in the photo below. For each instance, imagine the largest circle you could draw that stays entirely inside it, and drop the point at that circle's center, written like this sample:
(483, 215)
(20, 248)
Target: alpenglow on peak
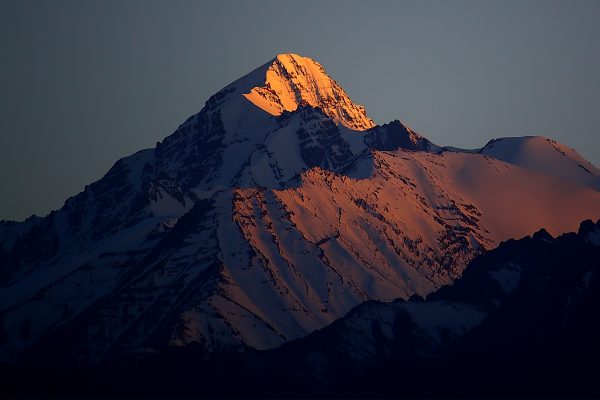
(292, 80)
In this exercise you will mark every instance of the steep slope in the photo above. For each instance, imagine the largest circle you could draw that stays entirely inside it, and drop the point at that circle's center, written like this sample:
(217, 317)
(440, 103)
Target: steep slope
(260, 219)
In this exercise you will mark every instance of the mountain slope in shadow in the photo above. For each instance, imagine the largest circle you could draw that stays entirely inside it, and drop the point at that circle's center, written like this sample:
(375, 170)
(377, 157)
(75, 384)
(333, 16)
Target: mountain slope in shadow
(521, 322)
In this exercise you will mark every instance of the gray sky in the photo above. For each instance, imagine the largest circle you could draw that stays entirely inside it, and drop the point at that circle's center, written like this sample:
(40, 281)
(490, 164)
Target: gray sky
(84, 83)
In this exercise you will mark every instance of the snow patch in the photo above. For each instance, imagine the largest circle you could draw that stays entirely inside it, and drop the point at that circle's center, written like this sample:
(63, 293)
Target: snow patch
(594, 238)
(508, 277)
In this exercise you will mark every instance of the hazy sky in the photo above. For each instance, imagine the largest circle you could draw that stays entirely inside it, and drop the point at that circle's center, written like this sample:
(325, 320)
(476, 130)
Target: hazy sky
(84, 83)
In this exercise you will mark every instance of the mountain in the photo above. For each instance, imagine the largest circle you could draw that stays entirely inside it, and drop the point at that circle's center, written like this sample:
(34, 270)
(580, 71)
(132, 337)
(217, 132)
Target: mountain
(267, 215)
(519, 323)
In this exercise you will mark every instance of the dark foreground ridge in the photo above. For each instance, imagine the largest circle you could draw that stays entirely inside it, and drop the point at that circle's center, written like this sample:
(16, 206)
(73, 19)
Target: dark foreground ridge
(521, 322)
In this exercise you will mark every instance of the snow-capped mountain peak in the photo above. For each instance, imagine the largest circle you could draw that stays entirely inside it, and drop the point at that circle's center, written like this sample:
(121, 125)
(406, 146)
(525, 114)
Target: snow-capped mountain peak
(268, 214)
(292, 80)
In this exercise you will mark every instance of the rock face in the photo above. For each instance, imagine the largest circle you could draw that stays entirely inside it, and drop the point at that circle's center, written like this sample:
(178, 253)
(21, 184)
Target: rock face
(269, 214)
(293, 80)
